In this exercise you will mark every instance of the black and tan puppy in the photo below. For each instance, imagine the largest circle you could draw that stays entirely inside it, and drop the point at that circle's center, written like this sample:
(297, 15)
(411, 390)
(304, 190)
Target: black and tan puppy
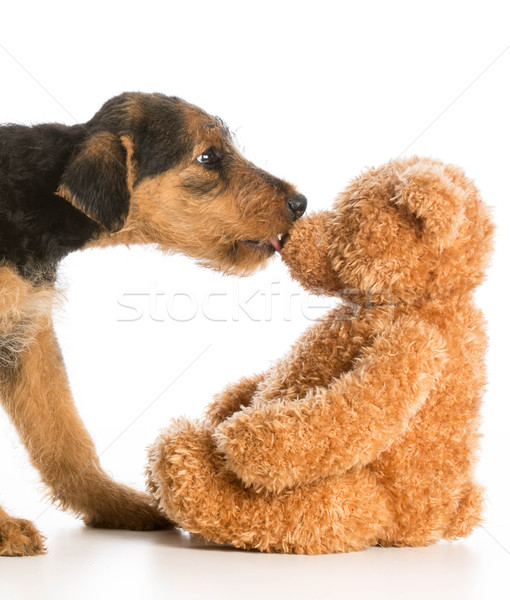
(146, 168)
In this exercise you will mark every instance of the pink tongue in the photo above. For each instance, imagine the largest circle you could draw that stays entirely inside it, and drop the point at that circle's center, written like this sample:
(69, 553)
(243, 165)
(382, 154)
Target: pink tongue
(275, 242)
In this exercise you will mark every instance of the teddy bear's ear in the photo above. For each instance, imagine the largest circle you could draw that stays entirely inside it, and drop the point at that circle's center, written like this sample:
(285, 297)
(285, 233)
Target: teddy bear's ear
(428, 192)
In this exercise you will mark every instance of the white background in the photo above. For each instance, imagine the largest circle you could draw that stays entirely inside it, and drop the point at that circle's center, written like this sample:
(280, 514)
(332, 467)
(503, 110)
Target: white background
(315, 91)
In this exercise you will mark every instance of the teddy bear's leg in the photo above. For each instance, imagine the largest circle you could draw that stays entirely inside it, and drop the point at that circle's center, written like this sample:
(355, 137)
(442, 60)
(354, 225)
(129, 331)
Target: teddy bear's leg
(337, 514)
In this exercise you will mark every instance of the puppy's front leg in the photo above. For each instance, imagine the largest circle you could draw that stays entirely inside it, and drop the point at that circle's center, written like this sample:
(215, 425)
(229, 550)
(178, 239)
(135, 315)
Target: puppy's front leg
(36, 395)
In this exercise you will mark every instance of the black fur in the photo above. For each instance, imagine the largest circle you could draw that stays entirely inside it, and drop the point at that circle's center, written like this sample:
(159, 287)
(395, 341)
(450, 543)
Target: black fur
(38, 227)
(96, 178)
(158, 130)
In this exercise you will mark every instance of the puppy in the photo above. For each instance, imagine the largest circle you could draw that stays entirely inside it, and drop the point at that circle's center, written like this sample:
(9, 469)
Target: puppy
(146, 169)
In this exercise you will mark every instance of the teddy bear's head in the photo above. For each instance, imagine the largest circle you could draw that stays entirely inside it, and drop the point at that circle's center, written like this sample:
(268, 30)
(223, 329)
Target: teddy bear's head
(411, 229)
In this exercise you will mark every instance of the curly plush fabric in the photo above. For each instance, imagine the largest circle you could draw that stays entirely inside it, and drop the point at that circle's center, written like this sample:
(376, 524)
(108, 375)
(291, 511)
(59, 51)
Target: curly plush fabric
(365, 433)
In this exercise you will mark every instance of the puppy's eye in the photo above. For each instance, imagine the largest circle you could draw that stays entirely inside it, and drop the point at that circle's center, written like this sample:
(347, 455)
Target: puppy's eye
(209, 158)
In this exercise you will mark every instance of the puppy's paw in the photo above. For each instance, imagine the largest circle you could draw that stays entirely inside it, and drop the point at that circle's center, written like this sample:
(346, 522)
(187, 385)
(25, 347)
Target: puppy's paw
(19, 537)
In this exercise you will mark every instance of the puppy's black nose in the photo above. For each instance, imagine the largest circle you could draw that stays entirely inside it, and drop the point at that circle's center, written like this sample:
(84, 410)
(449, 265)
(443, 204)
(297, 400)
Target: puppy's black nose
(296, 206)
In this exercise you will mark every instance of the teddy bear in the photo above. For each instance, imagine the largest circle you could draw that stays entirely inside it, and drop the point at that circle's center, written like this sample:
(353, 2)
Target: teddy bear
(365, 432)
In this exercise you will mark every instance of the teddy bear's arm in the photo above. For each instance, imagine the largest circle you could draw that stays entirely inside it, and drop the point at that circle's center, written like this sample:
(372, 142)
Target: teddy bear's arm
(280, 444)
(295, 373)
(234, 397)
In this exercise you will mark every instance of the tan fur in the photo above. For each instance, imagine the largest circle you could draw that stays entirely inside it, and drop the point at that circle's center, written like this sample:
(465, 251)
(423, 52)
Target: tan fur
(195, 227)
(366, 432)
(130, 166)
(19, 537)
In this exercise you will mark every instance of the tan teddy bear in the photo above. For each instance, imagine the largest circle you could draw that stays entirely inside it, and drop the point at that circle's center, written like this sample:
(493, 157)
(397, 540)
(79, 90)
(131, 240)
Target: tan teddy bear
(366, 431)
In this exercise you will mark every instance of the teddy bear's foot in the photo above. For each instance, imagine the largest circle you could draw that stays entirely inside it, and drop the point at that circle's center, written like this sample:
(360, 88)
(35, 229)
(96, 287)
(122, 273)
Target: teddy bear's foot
(188, 477)
(19, 537)
(453, 518)
(468, 514)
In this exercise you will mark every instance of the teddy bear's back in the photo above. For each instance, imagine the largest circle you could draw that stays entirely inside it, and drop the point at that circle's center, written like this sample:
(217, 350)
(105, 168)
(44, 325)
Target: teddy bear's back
(429, 470)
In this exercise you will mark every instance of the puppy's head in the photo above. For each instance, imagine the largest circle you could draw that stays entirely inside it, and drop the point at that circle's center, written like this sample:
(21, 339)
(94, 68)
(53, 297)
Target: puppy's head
(155, 169)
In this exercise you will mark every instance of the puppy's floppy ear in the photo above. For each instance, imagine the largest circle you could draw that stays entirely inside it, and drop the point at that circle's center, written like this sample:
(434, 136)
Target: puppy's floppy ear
(98, 179)
(428, 191)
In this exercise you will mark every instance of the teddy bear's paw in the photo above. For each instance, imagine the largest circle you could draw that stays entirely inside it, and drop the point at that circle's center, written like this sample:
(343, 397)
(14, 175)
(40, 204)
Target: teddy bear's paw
(258, 450)
(232, 399)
